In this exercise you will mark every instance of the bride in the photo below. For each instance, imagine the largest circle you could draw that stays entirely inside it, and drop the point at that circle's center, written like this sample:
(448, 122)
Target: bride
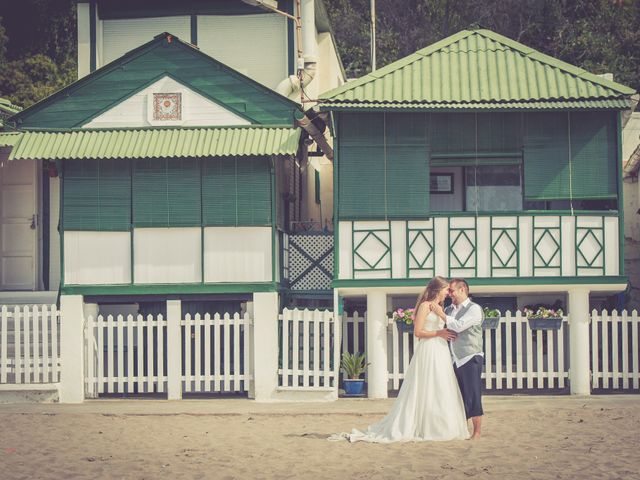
(429, 405)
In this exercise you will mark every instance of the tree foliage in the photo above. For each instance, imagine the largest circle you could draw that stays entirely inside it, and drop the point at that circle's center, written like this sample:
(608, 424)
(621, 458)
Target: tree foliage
(601, 36)
(38, 45)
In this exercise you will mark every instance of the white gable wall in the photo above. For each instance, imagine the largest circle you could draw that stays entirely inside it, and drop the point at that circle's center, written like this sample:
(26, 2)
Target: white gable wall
(196, 109)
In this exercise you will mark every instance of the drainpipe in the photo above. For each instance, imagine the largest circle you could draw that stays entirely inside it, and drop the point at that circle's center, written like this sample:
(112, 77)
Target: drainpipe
(307, 57)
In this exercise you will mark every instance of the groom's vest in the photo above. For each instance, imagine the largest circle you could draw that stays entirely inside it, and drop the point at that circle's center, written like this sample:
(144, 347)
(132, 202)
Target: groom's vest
(469, 341)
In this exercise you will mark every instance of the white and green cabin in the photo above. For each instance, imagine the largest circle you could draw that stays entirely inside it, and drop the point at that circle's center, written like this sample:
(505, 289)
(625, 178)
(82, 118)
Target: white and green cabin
(172, 168)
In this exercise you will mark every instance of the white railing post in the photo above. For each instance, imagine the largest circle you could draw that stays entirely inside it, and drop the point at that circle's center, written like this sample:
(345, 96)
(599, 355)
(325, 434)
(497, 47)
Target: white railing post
(174, 350)
(579, 341)
(71, 349)
(376, 344)
(265, 348)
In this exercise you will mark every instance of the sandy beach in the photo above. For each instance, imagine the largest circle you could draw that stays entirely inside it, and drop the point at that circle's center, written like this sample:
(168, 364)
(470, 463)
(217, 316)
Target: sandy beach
(524, 437)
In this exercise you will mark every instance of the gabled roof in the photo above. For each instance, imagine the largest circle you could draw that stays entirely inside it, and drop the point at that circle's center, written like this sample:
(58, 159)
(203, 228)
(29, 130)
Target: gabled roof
(78, 103)
(478, 69)
(151, 143)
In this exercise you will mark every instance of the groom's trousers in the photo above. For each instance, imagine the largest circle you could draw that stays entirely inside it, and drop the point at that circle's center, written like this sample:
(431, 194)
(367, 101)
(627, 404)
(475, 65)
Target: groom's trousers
(469, 378)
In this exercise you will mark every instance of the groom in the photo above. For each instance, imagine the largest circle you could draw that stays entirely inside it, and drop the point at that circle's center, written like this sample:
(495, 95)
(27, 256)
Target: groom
(465, 318)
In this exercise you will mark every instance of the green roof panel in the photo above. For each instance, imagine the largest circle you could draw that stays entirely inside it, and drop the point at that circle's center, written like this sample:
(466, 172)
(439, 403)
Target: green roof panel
(475, 66)
(151, 143)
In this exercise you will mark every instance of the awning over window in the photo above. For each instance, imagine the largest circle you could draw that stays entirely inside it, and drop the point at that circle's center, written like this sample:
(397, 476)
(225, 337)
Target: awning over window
(151, 143)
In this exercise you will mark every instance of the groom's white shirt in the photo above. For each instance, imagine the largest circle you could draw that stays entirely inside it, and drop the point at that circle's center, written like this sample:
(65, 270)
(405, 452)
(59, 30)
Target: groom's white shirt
(472, 317)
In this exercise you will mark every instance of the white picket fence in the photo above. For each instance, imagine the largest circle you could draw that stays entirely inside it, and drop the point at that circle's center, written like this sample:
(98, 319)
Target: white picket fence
(308, 359)
(519, 358)
(29, 345)
(216, 353)
(131, 354)
(615, 356)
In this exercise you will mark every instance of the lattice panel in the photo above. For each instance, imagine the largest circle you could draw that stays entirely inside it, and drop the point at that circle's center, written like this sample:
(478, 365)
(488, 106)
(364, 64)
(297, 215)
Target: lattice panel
(311, 261)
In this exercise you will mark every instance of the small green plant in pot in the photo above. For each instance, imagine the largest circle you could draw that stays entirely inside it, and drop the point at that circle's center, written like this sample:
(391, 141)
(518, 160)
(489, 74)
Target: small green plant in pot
(353, 365)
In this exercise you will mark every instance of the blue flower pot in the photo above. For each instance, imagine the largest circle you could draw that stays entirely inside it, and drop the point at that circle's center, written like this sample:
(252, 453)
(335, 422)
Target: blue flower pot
(403, 327)
(353, 387)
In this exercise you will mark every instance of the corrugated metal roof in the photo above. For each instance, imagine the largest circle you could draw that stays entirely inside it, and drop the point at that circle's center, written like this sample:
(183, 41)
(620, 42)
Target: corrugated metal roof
(476, 66)
(604, 104)
(151, 143)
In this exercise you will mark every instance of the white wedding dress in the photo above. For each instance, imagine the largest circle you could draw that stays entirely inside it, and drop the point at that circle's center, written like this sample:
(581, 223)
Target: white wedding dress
(429, 405)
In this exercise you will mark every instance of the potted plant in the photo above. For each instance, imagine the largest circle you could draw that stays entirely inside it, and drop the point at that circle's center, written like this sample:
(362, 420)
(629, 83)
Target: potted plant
(353, 365)
(491, 318)
(544, 318)
(404, 319)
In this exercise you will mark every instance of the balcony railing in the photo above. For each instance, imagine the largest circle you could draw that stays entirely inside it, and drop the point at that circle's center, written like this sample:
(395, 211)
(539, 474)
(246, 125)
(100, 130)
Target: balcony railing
(483, 246)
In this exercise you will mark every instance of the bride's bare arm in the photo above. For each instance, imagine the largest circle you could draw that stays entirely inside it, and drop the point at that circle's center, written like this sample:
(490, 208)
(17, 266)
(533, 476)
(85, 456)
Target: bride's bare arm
(418, 323)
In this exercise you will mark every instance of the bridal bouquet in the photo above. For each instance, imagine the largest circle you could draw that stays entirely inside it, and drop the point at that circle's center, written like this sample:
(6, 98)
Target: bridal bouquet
(543, 312)
(404, 316)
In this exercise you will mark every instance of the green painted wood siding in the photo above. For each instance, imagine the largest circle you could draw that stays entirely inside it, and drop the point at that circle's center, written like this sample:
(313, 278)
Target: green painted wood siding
(383, 165)
(236, 191)
(97, 195)
(587, 138)
(92, 95)
(166, 192)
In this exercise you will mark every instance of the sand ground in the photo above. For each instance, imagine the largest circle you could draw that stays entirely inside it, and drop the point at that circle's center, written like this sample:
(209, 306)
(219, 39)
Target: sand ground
(524, 437)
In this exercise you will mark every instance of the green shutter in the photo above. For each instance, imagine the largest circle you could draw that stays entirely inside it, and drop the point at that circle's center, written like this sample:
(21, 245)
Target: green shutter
(254, 190)
(316, 183)
(593, 155)
(455, 133)
(546, 156)
(236, 191)
(219, 191)
(97, 195)
(361, 166)
(362, 182)
(166, 192)
(384, 165)
(591, 143)
(407, 164)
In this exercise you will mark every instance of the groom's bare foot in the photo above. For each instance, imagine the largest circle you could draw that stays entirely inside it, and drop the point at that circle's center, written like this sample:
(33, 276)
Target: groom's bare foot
(475, 436)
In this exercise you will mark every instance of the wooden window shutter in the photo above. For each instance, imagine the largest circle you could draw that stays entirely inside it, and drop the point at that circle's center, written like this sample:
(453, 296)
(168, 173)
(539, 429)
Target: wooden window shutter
(593, 155)
(236, 191)
(166, 192)
(546, 156)
(97, 195)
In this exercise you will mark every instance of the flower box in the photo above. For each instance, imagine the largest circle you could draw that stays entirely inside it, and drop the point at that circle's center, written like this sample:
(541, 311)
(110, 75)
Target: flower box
(548, 323)
(490, 323)
(491, 318)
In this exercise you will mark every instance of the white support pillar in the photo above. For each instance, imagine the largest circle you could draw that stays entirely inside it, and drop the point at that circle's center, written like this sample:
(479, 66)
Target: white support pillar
(174, 350)
(71, 349)
(579, 341)
(252, 383)
(265, 345)
(377, 374)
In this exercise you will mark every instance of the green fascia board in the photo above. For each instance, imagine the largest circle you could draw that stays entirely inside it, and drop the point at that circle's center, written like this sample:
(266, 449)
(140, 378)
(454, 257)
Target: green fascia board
(475, 66)
(497, 281)
(117, 81)
(552, 105)
(152, 143)
(169, 289)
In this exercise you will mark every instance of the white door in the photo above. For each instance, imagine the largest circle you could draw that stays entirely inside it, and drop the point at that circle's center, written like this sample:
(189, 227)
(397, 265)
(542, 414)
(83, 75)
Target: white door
(19, 225)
